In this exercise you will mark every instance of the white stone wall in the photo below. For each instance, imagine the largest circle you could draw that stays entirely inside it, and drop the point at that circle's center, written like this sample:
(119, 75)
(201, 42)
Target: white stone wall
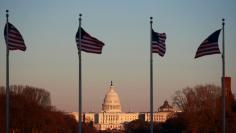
(158, 116)
(112, 120)
(88, 117)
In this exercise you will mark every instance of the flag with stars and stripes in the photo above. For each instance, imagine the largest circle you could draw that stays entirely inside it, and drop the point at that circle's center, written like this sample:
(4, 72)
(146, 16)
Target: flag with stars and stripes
(89, 44)
(209, 46)
(13, 38)
(158, 43)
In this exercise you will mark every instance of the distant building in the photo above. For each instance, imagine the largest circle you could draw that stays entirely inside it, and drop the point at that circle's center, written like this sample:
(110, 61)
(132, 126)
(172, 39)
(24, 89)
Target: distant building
(164, 112)
(112, 117)
(88, 117)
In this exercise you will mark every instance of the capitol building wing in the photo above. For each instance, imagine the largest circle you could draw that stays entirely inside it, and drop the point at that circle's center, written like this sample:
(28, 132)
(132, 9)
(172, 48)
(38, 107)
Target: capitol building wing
(112, 117)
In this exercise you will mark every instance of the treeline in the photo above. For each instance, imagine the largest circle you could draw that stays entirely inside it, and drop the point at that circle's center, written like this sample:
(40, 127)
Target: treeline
(31, 112)
(201, 113)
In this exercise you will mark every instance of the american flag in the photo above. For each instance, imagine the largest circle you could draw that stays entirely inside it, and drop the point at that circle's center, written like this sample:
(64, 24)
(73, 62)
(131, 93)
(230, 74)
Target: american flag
(13, 38)
(209, 46)
(88, 43)
(158, 43)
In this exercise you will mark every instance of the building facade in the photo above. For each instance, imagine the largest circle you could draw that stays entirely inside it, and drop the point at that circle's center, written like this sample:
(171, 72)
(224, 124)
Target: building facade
(111, 116)
(163, 113)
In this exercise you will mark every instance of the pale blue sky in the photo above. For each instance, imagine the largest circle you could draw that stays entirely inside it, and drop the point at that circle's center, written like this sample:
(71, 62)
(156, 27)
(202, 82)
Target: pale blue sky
(51, 61)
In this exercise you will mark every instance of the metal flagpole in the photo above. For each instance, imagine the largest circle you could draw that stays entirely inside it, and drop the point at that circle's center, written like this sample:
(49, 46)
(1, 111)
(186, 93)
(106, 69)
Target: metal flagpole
(80, 79)
(151, 80)
(7, 82)
(223, 75)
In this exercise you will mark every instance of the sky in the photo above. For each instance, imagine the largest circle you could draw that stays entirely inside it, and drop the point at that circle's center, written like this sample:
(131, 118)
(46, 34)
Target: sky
(51, 59)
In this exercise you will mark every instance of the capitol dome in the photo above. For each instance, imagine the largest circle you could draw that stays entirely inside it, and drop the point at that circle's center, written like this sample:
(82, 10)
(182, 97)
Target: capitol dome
(111, 102)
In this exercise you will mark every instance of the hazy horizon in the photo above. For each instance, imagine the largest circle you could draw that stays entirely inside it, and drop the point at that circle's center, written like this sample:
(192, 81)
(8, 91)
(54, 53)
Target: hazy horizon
(51, 60)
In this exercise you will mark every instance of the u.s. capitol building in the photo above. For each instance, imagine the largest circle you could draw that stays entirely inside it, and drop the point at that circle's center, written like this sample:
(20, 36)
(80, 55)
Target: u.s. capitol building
(112, 117)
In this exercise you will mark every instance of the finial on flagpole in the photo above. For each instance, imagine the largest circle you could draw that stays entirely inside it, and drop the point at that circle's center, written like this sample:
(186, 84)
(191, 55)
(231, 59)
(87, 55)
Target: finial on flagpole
(151, 20)
(7, 11)
(80, 15)
(223, 21)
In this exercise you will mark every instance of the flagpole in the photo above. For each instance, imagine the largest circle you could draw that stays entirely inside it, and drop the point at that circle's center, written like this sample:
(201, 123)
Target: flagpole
(151, 80)
(80, 78)
(7, 82)
(223, 75)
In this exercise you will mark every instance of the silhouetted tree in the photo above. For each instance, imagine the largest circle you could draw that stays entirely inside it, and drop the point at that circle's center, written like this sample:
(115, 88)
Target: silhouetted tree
(88, 128)
(2, 109)
(137, 126)
(175, 124)
(234, 106)
(31, 111)
(201, 106)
